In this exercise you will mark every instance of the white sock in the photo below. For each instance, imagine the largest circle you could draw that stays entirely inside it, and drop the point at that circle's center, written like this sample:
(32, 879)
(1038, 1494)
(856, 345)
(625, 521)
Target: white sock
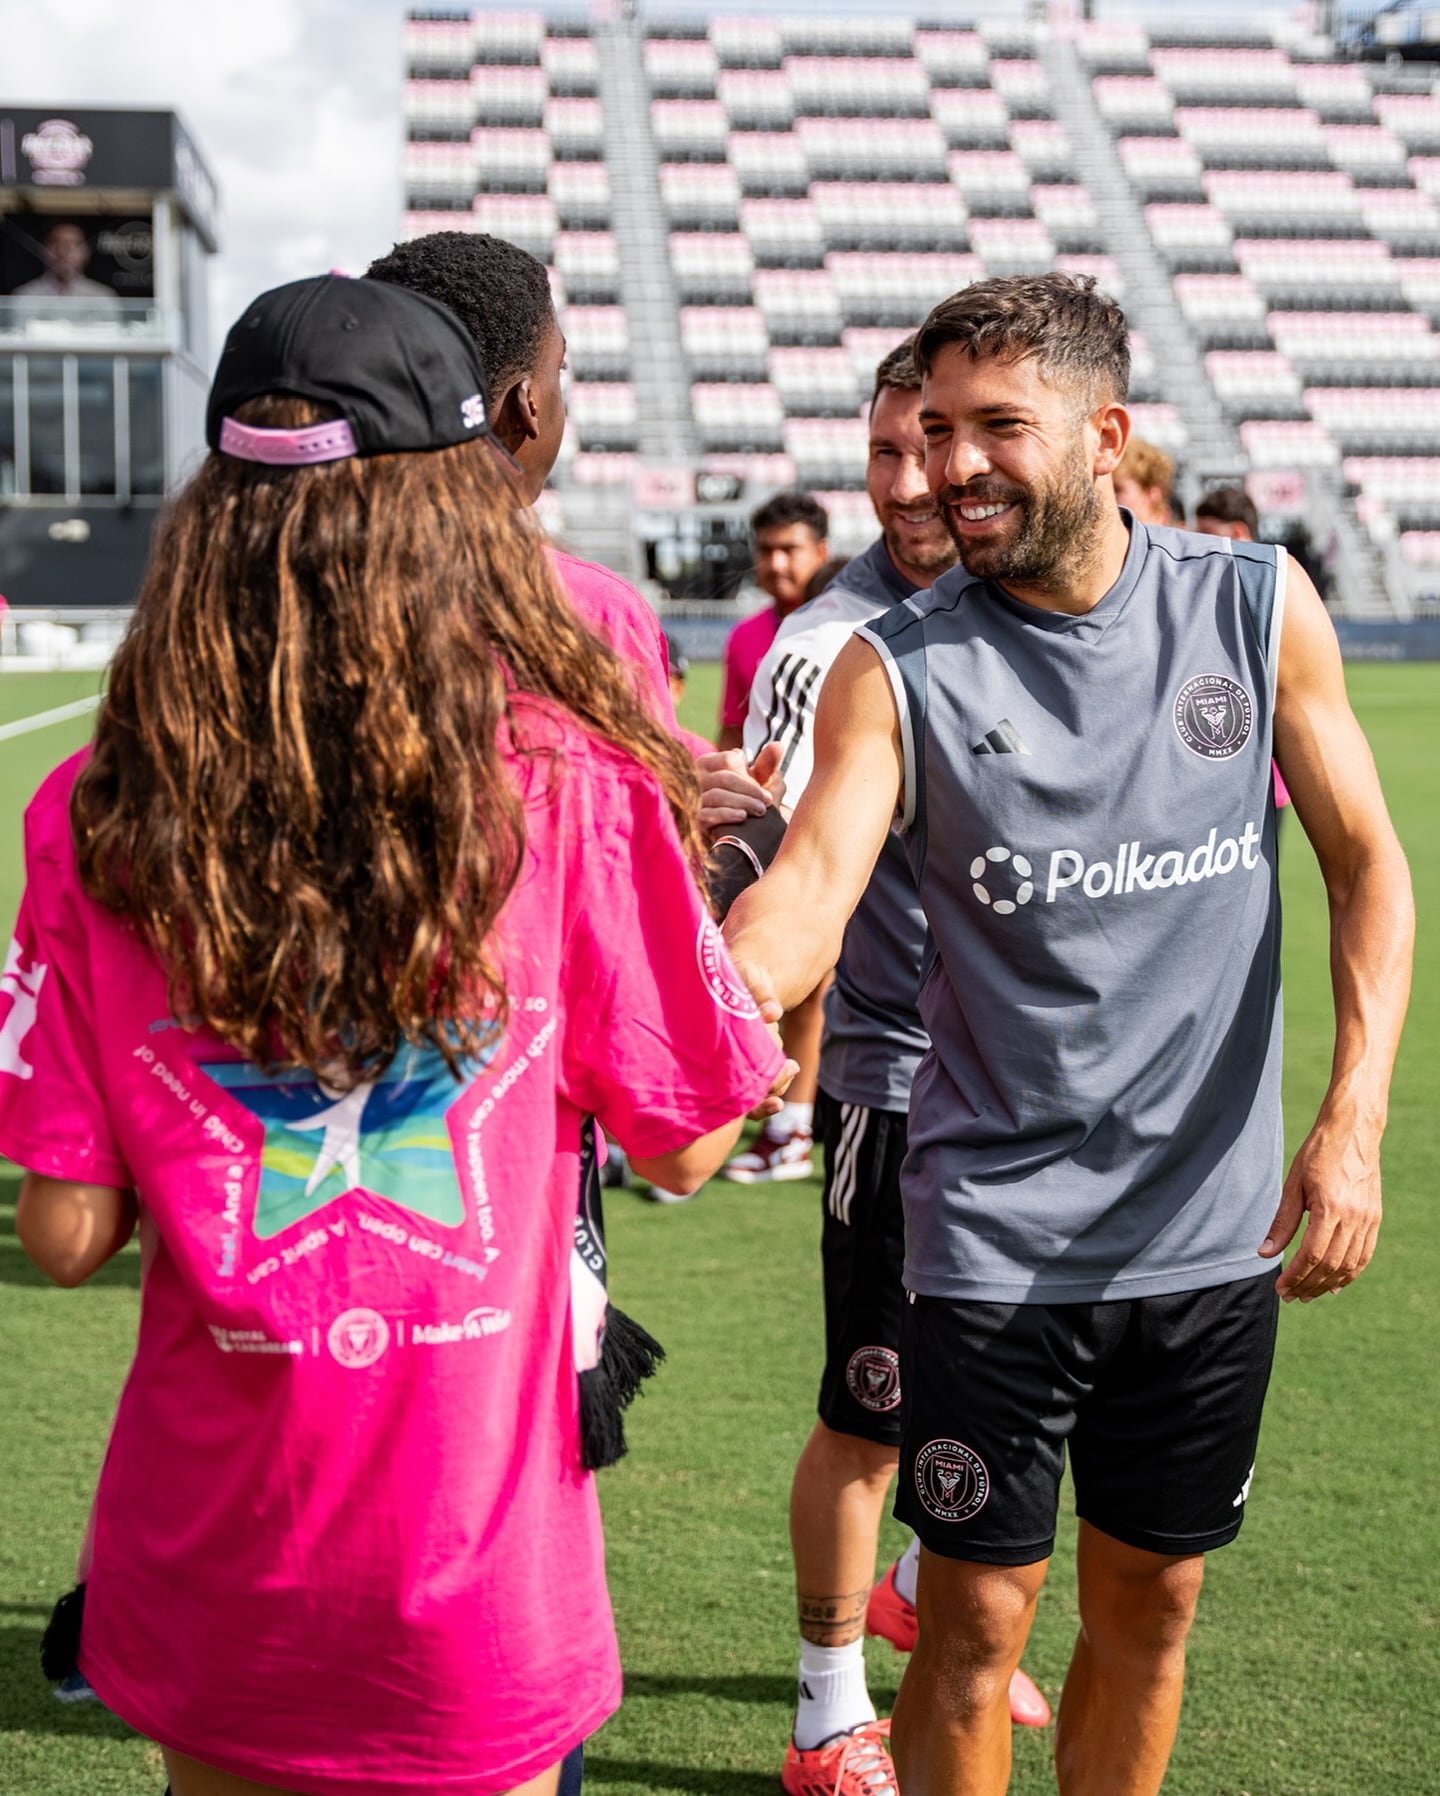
(907, 1569)
(791, 1117)
(834, 1696)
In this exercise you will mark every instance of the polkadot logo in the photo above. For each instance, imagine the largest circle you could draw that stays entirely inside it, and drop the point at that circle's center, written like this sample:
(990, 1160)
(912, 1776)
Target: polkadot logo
(951, 1480)
(1002, 880)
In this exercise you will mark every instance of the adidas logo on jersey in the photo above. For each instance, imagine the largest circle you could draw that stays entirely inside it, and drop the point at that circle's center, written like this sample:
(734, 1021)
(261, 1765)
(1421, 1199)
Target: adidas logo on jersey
(1131, 870)
(1004, 739)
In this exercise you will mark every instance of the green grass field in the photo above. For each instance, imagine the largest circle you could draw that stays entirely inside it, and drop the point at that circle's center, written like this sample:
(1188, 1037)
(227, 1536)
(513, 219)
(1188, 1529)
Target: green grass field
(1316, 1660)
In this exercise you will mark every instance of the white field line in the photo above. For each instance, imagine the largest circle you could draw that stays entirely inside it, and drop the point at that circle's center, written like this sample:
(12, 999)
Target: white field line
(42, 720)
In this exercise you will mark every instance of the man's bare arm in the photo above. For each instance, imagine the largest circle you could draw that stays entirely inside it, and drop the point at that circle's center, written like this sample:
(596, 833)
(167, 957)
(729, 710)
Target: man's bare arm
(1327, 765)
(785, 932)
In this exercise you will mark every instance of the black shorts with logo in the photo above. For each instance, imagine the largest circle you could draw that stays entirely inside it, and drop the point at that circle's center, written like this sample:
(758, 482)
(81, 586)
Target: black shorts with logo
(862, 1247)
(1158, 1400)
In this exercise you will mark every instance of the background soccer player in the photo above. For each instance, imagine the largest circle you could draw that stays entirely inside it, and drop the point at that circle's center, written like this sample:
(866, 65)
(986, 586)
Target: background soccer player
(1074, 730)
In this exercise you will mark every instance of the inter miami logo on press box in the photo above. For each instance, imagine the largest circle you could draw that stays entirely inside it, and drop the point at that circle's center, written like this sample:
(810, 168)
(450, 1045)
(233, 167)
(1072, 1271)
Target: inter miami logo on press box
(1213, 716)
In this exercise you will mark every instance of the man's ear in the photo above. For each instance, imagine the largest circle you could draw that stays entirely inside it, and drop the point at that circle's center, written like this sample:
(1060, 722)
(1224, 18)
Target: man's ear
(517, 420)
(1112, 425)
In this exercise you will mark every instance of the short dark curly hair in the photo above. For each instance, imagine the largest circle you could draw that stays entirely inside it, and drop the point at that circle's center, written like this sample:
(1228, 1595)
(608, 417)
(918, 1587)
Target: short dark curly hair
(792, 508)
(898, 369)
(1230, 505)
(499, 292)
(1063, 321)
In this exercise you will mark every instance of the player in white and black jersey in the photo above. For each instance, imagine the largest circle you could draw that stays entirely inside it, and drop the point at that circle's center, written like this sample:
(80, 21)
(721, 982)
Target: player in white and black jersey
(873, 1042)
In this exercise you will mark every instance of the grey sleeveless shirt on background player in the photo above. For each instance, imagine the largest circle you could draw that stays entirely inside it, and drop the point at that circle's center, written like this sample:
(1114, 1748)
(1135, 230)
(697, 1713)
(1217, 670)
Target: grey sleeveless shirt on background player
(873, 1034)
(1090, 819)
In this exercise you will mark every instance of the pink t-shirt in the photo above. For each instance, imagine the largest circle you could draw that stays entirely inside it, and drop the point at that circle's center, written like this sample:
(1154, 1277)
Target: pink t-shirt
(613, 609)
(344, 1541)
(747, 647)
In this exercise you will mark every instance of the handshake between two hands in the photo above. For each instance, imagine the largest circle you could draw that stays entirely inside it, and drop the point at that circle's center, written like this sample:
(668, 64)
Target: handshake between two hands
(730, 793)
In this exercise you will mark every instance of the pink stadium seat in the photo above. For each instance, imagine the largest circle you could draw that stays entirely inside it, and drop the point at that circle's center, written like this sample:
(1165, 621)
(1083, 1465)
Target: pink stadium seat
(756, 98)
(747, 42)
(1282, 443)
(864, 214)
(694, 129)
(811, 380)
(891, 87)
(504, 95)
(783, 230)
(572, 65)
(681, 66)
(439, 108)
(700, 193)
(971, 117)
(732, 415)
(800, 304)
(871, 148)
(771, 162)
(508, 156)
(528, 219)
(953, 58)
(1042, 145)
(575, 126)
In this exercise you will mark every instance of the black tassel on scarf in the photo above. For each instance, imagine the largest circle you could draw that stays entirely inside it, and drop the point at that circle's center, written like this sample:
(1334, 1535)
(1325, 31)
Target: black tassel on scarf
(627, 1353)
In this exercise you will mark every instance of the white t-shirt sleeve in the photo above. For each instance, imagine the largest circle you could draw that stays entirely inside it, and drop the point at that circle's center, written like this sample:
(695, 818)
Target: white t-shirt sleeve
(787, 683)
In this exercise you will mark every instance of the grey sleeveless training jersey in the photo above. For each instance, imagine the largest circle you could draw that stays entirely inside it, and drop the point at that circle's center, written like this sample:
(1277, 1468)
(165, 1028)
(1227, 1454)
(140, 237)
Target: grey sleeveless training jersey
(873, 1034)
(1090, 817)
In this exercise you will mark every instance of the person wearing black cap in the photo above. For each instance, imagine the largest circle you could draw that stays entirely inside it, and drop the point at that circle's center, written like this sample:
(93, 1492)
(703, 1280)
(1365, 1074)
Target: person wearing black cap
(501, 295)
(336, 937)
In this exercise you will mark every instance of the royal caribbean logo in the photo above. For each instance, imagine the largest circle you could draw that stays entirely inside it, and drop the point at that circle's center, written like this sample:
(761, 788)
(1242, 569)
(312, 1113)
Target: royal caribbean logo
(1213, 716)
(388, 1136)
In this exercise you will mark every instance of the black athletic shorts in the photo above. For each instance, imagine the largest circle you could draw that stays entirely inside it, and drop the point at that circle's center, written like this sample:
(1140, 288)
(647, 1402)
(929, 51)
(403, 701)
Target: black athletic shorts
(1157, 1398)
(862, 1247)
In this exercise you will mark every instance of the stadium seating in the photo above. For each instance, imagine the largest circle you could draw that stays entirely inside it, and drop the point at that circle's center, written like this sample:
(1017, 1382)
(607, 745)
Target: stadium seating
(820, 181)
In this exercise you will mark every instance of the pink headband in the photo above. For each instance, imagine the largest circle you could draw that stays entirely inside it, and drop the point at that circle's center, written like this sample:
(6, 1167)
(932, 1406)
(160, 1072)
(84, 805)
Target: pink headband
(288, 448)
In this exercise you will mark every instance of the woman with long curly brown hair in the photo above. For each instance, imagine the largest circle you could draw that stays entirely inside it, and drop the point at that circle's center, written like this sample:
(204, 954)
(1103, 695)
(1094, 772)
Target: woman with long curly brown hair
(377, 881)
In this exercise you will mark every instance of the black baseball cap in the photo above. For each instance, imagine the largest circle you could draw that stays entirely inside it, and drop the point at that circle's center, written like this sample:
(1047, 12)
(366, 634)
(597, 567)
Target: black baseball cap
(401, 370)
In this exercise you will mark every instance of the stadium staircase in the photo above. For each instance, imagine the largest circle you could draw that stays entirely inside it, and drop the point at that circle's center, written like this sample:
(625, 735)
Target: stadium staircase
(1213, 451)
(647, 289)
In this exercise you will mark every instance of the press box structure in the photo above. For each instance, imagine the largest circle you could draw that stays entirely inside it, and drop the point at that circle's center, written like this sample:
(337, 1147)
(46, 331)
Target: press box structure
(107, 222)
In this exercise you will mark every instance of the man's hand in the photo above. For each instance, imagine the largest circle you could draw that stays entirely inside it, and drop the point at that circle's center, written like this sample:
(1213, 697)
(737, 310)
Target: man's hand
(773, 1101)
(730, 792)
(1335, 1177)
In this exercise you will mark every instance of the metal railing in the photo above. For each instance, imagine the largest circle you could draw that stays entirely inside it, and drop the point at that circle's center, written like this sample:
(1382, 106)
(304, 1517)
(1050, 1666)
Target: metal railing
(40, 322)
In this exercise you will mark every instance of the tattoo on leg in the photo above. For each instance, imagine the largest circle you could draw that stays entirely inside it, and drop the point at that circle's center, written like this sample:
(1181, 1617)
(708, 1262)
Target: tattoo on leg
(832, 1620)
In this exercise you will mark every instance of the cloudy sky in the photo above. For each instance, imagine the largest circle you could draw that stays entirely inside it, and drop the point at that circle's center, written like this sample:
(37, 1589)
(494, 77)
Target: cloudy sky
(296, 104)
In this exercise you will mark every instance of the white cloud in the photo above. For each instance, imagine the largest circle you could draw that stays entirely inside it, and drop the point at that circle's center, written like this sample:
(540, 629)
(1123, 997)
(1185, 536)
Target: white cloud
(295, 105)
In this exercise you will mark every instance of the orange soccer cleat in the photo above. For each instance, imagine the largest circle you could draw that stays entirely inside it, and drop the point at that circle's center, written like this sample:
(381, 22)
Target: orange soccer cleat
(893, 1619)
(853, 1764)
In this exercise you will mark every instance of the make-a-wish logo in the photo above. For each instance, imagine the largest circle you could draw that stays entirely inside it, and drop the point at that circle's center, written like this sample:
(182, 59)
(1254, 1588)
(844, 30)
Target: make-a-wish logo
(388, 1136)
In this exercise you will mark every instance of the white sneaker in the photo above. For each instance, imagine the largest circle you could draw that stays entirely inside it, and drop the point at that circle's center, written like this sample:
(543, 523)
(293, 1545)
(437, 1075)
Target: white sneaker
(773, 1157)
(657, 1194)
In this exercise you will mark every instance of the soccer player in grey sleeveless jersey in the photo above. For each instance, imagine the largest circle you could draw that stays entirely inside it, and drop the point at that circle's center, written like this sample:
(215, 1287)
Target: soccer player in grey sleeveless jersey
(872, 1045)
(1074, 729)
